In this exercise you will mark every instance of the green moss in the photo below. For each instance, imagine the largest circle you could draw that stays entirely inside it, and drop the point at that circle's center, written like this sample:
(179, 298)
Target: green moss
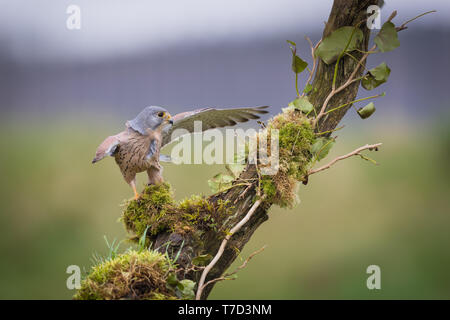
(296, 137)
(156, 212)
(158, 195)
(269, 188)
(132, 275)
(160, 296)
(153, 199)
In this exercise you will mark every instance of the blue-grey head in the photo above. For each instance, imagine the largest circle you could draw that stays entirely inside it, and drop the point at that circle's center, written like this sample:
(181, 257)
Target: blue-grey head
(150, 118)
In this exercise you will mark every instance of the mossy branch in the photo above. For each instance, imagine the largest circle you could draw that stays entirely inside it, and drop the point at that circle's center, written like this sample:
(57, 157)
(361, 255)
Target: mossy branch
(195, 230)
(343, 13)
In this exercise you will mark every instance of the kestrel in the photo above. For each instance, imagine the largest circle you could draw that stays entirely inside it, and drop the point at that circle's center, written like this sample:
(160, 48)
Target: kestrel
(137, 148)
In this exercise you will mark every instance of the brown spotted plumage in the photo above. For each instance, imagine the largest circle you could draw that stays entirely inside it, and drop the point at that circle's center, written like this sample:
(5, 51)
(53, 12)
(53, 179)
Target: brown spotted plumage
(137, 149)
(131, 156)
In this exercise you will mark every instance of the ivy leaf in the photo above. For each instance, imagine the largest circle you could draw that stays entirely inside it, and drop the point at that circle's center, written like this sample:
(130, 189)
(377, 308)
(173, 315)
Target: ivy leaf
(235, 168)
(202, 260)
(317, 145)
(367, 111)
(387, 39)
(333, 45)
(172, 279)
(298, 65)
(302, 104)
(220, 182)
(322, 147)
(376, 76)
(186, 289)
(308, 88)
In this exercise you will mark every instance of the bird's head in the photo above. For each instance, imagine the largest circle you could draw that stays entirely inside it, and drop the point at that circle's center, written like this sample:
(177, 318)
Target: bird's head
(150, 118)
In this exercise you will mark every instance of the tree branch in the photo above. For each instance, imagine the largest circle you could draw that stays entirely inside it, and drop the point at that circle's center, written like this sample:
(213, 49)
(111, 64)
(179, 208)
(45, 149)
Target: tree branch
(244, 198)
(356, 152)
(223, 245)
(245, 209)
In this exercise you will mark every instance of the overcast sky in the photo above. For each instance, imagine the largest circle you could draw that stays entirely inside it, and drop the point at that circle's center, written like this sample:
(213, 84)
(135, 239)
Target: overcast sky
(37, 29)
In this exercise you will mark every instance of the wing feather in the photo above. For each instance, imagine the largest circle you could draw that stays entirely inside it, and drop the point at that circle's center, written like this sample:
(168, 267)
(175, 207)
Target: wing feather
(108, 147)
(211, 118)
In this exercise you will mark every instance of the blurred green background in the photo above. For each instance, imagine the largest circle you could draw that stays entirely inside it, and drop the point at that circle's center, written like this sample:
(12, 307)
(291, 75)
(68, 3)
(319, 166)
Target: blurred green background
(62, 91)
(57, 206)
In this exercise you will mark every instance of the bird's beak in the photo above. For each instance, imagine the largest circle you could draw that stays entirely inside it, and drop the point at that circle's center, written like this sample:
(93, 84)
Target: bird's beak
(168, 118)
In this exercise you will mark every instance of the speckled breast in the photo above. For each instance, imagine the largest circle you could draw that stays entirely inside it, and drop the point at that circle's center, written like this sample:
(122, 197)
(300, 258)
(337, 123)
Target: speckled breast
(132, 154)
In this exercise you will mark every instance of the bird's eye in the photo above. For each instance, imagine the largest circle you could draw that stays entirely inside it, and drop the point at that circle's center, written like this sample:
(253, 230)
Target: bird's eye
(161, 114)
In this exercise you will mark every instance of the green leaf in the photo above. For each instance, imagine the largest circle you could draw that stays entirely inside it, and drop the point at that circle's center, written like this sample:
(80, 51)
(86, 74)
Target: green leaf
(302, 104)
(367, 111)
(220, 182)
(235, 168)
(376, 76)
(202, 260)
(387, 39)
(317, 145)
(172, 279)
(308, 88)
(322, 147)
(186, 289)
(291, 43)
(333, 45)
(298, 65)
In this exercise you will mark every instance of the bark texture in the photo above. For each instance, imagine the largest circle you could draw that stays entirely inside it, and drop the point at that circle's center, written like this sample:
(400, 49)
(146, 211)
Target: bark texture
(343, 13)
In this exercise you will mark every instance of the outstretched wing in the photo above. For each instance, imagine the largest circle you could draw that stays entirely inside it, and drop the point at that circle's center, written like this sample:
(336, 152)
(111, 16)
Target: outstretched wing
(211, 118)
(107, 147)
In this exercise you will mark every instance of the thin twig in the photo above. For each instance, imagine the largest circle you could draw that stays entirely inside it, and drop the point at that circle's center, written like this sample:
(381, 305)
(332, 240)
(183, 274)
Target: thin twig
(242, 195)
(313, 55)
(348, 155)
(349, 81)
(219, 253)
(192, 268)
(403, 26)
(356, 60)
(354, 101)
(392, 16)
(228, 275)
(330, 131)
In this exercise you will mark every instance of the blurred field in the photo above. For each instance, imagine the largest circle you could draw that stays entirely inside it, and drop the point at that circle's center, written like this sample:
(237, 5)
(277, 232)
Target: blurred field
(56, 207)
